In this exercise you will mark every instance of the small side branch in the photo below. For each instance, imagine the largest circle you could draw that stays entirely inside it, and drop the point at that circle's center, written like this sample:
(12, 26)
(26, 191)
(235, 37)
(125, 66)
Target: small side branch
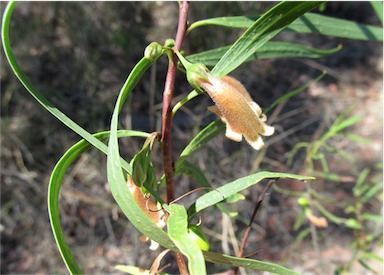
(256, 209)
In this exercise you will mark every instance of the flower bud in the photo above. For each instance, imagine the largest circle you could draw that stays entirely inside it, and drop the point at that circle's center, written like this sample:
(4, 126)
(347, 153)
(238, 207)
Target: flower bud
(153, 51)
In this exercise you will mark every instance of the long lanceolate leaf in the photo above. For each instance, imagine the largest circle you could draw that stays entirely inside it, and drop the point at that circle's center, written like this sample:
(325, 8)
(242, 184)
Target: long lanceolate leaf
(378, 8)
(264, 29)
(116, 180)
(178, 232)
(272, 49)
(247, 263)
(229, 189)
(309, 23)
(54, 189)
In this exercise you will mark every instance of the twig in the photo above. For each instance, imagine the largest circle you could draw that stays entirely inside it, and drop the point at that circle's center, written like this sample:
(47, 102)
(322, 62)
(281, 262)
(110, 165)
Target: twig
(167, 118)
(257, 207)
(181, 264)
(167, 100)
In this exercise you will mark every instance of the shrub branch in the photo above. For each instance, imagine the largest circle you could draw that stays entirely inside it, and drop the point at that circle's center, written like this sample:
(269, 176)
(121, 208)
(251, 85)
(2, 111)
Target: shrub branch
(167, 117)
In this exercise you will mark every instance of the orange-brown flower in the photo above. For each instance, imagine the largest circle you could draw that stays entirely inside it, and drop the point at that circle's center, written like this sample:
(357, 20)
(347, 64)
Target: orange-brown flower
(150, 208)
(242, 116)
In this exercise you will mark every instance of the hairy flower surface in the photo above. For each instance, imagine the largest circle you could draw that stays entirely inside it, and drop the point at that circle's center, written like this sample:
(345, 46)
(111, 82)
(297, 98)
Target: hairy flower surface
(237, 110)
(242, 116)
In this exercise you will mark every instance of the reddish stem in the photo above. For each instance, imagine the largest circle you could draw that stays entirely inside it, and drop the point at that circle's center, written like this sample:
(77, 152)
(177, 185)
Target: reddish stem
(167, 119)
(181, 264)
(167, 108)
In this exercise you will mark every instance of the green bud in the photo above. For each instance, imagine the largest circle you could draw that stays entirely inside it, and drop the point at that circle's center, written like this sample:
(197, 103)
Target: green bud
(303, 201)
(353, 224)
(169, 43)
(196, 73)
(142, 168)
(153, 51)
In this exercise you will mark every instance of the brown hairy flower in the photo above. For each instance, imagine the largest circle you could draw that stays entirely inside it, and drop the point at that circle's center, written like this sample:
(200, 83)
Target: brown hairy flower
(242, 116)
(149, 207)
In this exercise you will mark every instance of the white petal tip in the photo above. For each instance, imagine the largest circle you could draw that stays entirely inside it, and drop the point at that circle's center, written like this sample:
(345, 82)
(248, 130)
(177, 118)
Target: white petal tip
(154, 245)
(257, 144)
(268, 130)
(229, 133)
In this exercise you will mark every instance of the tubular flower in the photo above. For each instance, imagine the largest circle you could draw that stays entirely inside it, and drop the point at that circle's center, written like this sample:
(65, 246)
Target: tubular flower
(242, 116)
(237, 110)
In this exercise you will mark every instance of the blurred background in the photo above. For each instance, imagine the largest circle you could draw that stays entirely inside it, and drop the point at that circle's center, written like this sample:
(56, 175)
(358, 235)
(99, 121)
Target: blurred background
(78, 54)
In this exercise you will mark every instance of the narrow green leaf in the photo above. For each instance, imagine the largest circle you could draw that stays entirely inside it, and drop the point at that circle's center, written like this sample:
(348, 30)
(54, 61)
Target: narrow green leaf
(54, 189)
(116, 179)
(372, 192)
(327, 214)
(371, 255)
(353, 224)
(378, 8)
(272, 49)
(247, 263)
(264, 29)
(360, 180)
(329, 176)
(358, 138)
(228, 21)
(180, 104)
(372, 217)
(338, 127)
(309, 23)
(330, 26)
(299, 222)
(302, 235)
(223, 192)
(366, 266)
(178, 232)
